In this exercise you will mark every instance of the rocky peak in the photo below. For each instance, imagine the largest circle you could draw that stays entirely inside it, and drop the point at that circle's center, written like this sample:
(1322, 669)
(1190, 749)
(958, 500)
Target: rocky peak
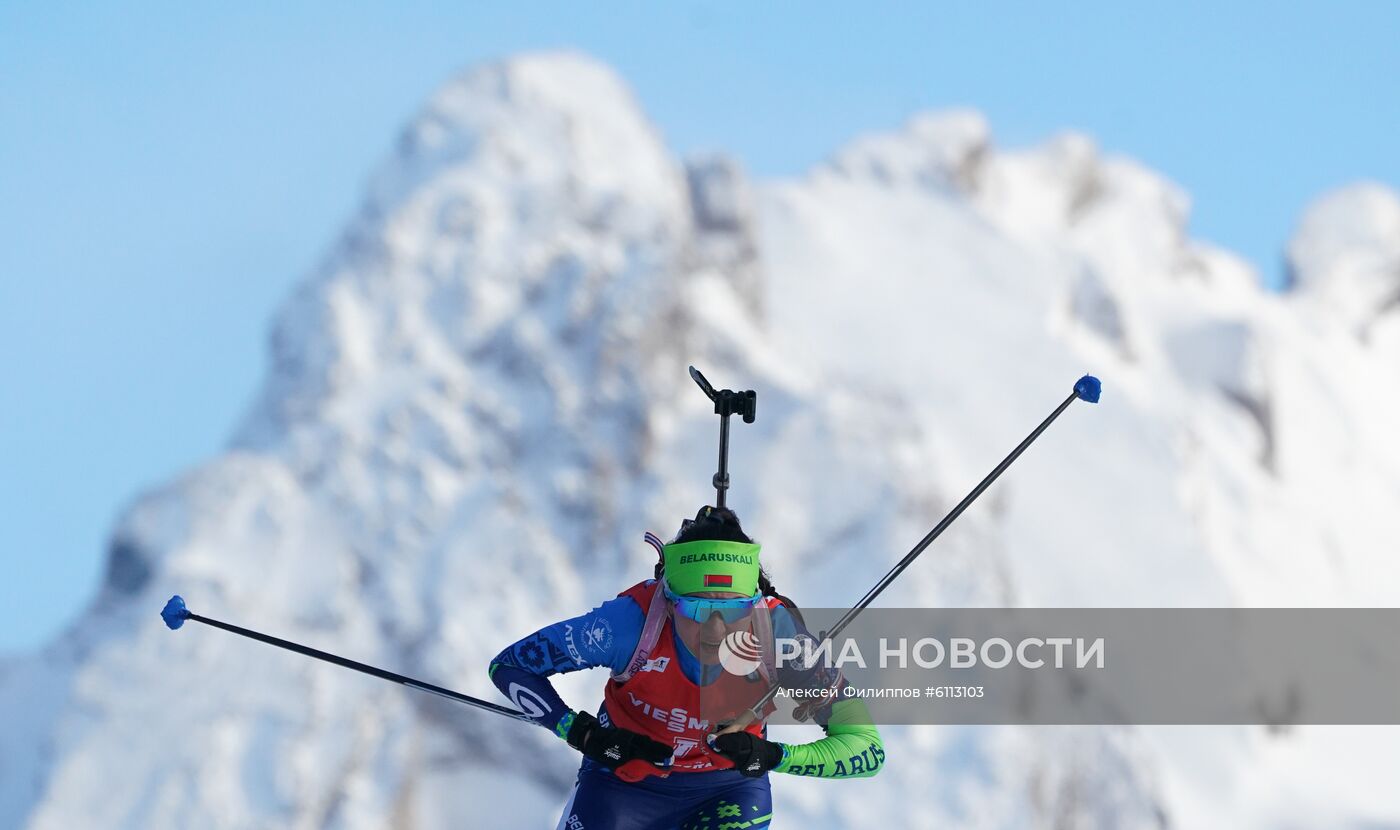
(1345, 257)
(940, 150)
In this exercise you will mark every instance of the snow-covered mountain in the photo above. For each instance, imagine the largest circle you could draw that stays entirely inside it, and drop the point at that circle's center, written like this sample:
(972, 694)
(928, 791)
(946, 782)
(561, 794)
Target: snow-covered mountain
(479, 402)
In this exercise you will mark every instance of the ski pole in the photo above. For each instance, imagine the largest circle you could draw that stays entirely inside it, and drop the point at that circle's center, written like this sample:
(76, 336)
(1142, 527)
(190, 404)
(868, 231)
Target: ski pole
(1086, 388)
(175, 613)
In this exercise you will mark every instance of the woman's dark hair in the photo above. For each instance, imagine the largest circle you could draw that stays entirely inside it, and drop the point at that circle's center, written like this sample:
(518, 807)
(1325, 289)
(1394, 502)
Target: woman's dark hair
(722, 524)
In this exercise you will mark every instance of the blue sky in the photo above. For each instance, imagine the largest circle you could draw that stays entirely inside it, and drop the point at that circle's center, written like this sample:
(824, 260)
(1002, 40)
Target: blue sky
(169, 170)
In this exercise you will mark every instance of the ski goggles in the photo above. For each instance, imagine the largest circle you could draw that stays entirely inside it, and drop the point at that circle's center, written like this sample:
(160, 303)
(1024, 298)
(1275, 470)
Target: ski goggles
(700, 609)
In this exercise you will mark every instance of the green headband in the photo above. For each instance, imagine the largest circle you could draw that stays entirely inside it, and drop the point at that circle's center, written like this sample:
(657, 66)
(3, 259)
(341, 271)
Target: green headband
(711, 565)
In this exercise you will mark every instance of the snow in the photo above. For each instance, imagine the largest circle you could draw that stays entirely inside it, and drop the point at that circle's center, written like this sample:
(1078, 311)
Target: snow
(478, 402)
(1345, 256)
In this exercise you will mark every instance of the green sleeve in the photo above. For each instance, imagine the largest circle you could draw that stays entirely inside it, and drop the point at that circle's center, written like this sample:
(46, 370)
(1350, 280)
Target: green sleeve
(851, 749)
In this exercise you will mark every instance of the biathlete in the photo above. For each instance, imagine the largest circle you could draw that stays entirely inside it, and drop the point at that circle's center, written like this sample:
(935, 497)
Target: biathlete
(654, 756)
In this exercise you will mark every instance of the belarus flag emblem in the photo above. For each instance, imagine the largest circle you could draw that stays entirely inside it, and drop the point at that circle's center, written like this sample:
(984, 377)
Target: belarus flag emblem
(719, 581)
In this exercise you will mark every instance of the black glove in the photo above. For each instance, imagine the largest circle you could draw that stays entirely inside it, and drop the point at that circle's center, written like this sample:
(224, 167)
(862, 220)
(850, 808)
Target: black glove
(612, 746)
(752, 755)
